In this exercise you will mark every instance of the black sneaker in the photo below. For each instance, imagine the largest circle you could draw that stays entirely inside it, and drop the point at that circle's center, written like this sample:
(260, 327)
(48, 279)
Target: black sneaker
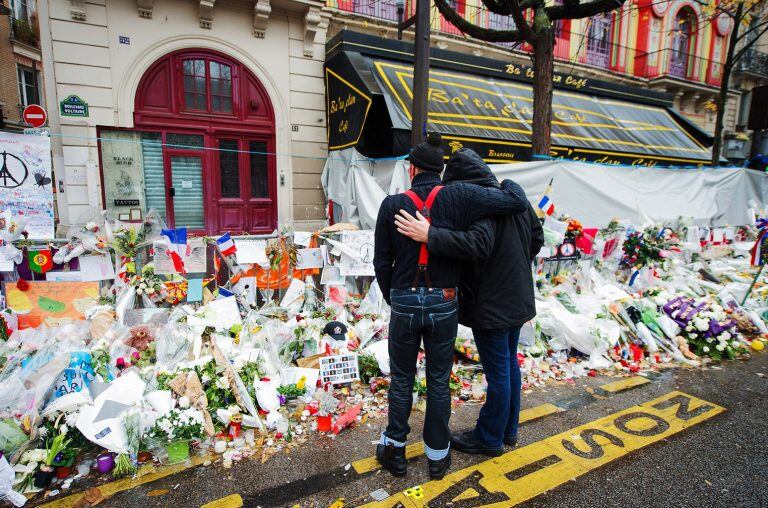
(510, 441)
(392, 458)
(438, 468)
(466, 442)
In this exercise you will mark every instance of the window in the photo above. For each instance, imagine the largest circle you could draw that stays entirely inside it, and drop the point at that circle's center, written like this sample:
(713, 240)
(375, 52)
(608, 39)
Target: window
(207, 86)
(22, 9)
(28, 89)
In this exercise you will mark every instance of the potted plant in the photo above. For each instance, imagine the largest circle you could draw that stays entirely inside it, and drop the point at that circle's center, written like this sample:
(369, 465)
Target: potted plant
(175, 430)
(327, 404)
(63, 462)
(53, 447)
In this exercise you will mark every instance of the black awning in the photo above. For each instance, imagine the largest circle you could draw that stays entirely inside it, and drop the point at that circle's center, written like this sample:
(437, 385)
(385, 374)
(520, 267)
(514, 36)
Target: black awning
(369, 103)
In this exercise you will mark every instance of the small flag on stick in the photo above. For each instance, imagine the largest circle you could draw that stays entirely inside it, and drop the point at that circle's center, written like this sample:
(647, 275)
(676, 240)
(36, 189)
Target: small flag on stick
(546, 206)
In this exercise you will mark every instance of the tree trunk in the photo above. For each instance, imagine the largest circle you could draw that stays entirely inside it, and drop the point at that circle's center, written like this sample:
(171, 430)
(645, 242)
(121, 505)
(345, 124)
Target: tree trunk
(722, 98)
(543, 68)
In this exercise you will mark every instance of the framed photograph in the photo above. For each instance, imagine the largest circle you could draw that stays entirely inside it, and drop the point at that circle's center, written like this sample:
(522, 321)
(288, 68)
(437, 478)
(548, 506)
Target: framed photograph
(136, 214)
(126, 217)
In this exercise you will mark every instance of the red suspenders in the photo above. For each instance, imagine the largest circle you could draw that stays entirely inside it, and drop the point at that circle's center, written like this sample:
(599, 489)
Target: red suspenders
(424, 208)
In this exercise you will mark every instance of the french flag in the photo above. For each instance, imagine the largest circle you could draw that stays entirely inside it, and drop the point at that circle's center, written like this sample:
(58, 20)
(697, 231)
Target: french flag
(546, 205)
(226, 244)
(177, 247)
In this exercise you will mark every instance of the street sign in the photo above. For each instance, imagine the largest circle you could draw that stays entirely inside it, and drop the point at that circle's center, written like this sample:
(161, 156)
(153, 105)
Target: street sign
(73, 106)
(36, 132)
(35, 115)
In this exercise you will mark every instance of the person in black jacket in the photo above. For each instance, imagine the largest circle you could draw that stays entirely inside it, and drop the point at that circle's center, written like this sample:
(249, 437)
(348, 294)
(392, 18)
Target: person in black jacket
(495, 298)
(422, 295)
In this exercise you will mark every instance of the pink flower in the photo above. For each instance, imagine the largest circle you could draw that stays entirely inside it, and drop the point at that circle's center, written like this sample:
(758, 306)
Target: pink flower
(120, 362)
(135, 355)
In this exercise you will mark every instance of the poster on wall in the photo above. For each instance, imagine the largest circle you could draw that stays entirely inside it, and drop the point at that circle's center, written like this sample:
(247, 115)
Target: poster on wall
(121, 162)
(26, 182)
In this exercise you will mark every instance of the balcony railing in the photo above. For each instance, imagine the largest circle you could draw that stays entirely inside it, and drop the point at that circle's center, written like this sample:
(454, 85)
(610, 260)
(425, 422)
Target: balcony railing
(682, 66)
(26, 31)
(754, 61)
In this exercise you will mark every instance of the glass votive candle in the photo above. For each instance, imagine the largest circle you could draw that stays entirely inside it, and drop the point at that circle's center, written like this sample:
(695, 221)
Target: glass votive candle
(239, 441)
(220, 446)
(250, 437)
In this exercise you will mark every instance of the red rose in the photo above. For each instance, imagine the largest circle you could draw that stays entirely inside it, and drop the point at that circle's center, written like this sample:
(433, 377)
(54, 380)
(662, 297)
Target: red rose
(120, 362)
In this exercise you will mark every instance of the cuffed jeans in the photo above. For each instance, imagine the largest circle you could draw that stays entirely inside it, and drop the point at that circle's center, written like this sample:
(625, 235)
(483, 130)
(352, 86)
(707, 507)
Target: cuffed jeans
(421, 314)
(500, 415)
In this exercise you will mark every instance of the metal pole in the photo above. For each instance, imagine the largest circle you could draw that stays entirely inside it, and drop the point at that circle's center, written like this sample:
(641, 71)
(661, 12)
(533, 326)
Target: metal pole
(420, 73)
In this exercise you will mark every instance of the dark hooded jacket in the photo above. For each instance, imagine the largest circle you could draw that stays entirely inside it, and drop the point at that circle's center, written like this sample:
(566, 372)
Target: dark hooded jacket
(496, 292)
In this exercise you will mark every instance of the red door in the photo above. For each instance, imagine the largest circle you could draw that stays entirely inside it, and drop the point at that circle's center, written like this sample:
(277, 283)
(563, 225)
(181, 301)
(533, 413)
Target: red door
(244, 171)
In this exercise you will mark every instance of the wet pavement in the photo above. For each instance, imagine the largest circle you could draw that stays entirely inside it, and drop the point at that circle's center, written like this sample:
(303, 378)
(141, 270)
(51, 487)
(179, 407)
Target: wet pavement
(718, 461)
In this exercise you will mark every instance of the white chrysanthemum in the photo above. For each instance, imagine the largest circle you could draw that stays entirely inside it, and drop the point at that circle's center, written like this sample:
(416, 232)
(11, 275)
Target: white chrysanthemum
(705, 349)
(720, 347)
(64, 429)
(184, 402)
(71, 418)
(735, 344)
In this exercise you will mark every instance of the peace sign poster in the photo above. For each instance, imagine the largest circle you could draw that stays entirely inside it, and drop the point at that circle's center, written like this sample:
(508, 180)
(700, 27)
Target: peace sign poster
(26, 181)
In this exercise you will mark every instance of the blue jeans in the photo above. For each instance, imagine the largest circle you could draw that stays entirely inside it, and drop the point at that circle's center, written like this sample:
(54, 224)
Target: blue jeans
(421, 314)
(500, 415)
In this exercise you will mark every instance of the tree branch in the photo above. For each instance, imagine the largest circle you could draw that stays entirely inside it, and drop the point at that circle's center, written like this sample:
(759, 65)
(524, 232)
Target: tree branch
(751, 30)
(520, 23)
(585, 10)
(484, 34)
(729, 64)
(501, 7)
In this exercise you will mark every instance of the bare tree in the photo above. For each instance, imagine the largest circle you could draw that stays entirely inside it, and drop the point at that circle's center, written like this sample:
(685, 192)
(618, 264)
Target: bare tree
(750, 22)
(540, 34)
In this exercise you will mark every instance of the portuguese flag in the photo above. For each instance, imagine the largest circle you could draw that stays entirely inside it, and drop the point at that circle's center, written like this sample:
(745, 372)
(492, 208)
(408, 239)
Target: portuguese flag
(40, 260)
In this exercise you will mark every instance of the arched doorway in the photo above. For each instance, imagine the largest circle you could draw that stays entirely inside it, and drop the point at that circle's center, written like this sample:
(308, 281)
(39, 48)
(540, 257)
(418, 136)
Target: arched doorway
(681, 45)
(208, 133)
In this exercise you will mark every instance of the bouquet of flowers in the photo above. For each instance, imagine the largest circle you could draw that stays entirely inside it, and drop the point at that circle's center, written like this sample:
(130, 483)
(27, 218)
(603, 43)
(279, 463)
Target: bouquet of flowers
(575, 229)
(707, 328)
(648, 247)
(150, 285)
(178, 425)
(127, 459)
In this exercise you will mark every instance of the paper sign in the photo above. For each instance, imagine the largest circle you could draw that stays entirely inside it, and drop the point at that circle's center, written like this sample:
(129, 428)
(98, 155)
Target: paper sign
(302, 238)
(246, 286)
(186, 184)
(356, 253)
(309, 258)
(64, 276)
(98, 267)
(196, 260)
(7, 265)
(251, 252)
(294, 295)
(221, 314)
(26, 182)
(730, 233)
(339, 369)
(331, 275)
(195, 290)
(52, 300)
(718, 235)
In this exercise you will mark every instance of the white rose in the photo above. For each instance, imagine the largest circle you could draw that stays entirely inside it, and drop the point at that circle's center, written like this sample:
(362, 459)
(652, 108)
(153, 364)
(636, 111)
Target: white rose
(735, 344)
(184, 402)
(689, 328)
(206, 379)
(64, 429)
(720, 347)
(139, 291)
(710, 340)
(705, 349)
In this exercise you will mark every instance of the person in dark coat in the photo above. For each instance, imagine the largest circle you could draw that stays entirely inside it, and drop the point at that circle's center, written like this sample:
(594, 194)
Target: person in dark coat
(495, 299)
(422, 295)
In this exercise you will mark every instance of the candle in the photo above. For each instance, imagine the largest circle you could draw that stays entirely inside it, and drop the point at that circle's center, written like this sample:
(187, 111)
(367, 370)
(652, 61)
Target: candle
(249, 436)
(239, 442)
(220, 446)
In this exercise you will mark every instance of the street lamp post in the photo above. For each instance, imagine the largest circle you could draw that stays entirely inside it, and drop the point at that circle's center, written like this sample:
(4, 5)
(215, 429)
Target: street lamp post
(419, 106)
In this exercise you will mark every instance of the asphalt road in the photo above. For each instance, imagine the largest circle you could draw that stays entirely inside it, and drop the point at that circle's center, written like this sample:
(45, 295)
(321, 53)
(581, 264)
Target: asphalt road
(719, 461)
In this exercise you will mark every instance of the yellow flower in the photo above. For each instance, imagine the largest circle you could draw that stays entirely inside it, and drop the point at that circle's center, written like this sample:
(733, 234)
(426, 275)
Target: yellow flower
(301, 382)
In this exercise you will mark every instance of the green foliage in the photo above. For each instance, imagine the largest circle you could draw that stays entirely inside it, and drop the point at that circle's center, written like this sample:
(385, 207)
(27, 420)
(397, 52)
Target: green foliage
(369, 367)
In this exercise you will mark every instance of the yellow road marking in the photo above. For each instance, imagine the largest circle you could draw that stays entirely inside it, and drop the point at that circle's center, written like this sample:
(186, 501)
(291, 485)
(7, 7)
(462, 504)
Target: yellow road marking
(526, 472)
(414, 450)
(147, 473)
(231, 501)
(536, 412)
(625, 384)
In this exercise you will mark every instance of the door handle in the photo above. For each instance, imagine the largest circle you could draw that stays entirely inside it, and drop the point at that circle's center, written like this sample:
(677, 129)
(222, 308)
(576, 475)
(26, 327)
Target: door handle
(172, 191)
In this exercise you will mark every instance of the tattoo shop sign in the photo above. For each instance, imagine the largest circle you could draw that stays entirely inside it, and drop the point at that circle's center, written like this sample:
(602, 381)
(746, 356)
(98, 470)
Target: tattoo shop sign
(26, 181)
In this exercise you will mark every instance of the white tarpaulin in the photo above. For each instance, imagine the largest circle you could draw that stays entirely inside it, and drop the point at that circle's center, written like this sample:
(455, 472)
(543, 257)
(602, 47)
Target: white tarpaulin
(26, 181)
(592, 193)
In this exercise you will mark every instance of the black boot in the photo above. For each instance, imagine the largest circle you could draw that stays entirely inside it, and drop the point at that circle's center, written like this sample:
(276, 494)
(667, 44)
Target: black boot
(438, 468)
(468, 443)
(510, 441)
(392, 458)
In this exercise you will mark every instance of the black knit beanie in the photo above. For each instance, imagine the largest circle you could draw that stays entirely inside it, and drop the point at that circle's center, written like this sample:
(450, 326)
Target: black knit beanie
(428, 156)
